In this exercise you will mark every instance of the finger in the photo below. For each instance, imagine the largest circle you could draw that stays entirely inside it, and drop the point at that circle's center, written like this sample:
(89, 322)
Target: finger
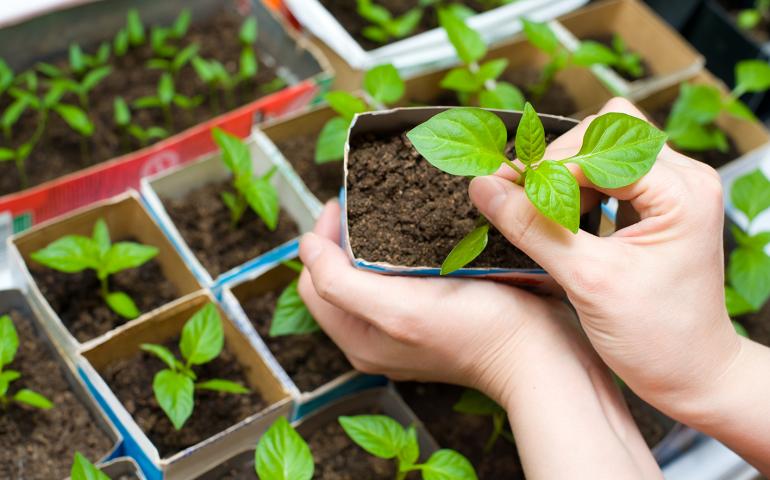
(328, 223)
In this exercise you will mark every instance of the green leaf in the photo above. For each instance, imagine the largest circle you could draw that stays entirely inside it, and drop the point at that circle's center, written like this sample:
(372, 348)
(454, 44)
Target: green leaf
(462, 141)
(125, 255)
(618, 150)
(461, 79)
(555, 192)
(751, 76)
(750, 194)
(49, 70)
(202, 336)
(33, 399)
(740, 329)
(405, 24)
(235, 153)
(293, 264)
(530, 137)
(384, 84)
(7, 154)
(82, 469)
(187, 103)
(448, 465)
(249, 31)
(466, 249)
(76, 57)
(739, 109)
(374, 13)
(182, 24)
(219, 385)
(468, 44)
(13, 112)
(591, 53)
(174, 393)
(184, 56)
(162, 353)
(93, 78)
(410, 452)
(687, 134)
(736, 304)
(504, 96)
(291, 316)
(345, 104)
(9, 340)
(69, 254)
(758, 241)
(147, 102)
(135, 28)
(120, 43)
(379, 435)
(248, 64)
(282, 454)
(203, 69)
(375, 34)
(491, 70)
(263, 199)
(6, 378)
(122, 304)
(749, 274)
(122, 112)
(697, 103)
(541, 36)
(473, 402)
(236, 206)
(749, 18)
(331, 140)
(76, 118)
(166, 89)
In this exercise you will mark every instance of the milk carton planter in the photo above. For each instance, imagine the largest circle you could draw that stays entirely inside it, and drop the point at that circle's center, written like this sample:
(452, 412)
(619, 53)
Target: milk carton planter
(38, 443)
(120, 375)
(57, 181)
(309, 365)
(123, 468)
(72, 306)
(322, 432)
(414, 53)
(665, 57)
(186, 202)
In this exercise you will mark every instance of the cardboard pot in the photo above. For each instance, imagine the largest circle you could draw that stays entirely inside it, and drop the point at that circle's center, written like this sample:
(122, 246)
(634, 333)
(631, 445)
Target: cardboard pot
(178, 182)
(123, 467)
(163, 325)
(125, 217)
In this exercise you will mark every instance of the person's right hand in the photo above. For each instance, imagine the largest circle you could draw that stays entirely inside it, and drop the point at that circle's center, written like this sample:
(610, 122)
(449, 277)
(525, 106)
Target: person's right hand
(650, 297)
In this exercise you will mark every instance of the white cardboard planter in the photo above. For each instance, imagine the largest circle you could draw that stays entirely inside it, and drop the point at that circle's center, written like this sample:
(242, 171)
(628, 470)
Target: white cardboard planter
(429, 48)
(121, 466)
(163, 324)
(179, 181)
(126, 217)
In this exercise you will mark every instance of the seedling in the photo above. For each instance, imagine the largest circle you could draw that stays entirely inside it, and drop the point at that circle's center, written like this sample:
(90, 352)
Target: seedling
(83, 87)
(6, 76)
(248, 65)
(473, 402)
(750, 18)
(384, 25)
(617, 150)
(291, 316)
(250, 191)
(82, 469)
(75, 253)
(177, 62)
(384, 86)
(691, 122)
(81, 63)
(135, 28)
(201, 342)
(165, 98)
(215, 76)
(122, 116)
(9, 345)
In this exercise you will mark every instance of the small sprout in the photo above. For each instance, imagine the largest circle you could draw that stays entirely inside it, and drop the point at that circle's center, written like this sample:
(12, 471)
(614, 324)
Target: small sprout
(120, 43)
(248, 65)
(181, 24)
(82, 469)
(384, 25)
(75, 253)
(201, 342)
(9, 345)
(591, 53)
(282, 454)
(83, 87)
(750, 18)
(215, 75)
(258, 193)
(175, 64)
(617, 150)
(122, 117)
(473, 402)
(135, 28)
(166, 97)
(159, 40)
(291, 316)
(6, 76)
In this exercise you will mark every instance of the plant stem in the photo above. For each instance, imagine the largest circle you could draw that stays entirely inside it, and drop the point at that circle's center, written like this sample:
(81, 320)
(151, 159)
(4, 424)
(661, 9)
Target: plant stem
(22, 171)
(520, 180)
(497, 420)
(105, 288)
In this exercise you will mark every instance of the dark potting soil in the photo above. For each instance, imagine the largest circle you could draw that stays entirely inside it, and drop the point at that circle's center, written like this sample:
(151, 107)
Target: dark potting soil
(311, 360)
(555, 101)
(204, 222)
(76, 296)
(59, 151)
(652, 424)
(346, 13)
(433, 402)
(606, 40)
(131, 381)
(323, 180)
(404, 211)
(758, 325)
(39, 444)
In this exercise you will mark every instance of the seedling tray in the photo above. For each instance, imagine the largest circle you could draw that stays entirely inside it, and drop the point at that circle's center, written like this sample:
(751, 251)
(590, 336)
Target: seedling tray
(164, 324)
(123, 467)
(178, 182)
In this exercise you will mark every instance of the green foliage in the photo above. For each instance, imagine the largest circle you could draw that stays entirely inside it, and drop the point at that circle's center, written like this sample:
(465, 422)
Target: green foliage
(75, 253)
(82, 469)
(282, 454)
(166, 96)
(177, 62)
(9, 345)
(473, 402)
(135, 28)
(617, 150)
(384, 25)
(619, 57)
(122, 117)
(248, 64)
(750, 18)
(201, 342)
(291, 316)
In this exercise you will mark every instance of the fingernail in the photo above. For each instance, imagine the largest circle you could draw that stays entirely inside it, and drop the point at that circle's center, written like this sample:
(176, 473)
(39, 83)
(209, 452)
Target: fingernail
(488, 193)
(310, 248)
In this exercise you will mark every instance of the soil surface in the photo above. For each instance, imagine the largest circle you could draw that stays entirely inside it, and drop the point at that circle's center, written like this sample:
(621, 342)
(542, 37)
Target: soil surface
(346, 13)
(311, 360)
(76, 298)
(203, 219)
(323, 180)
(606, 40)
(404, 211)
(433, 402)
(556, 100)
(37, 444)
(131, 381)
(60, 150)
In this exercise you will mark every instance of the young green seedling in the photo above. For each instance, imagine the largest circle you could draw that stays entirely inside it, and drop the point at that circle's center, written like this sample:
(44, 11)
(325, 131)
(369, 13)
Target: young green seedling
(384, 25)
(617, 150)
(9, 345)
(81, 63)
(690, 126)
(162, 38)
(83, 469)
(384, 86)
(473, 402)
(75, 253)
(750, 18)
(215, 76)
(6, 76)
(122, 117)
(282, 454)
(258, 193)
(82, 88)
(201, 342)
(383, 437)
(165, 98)
(135, 28)
(291, 316)
(177, 62)
(248, 65)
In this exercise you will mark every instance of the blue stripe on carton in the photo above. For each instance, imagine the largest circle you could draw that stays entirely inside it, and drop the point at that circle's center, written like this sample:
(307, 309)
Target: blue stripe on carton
(354, 385)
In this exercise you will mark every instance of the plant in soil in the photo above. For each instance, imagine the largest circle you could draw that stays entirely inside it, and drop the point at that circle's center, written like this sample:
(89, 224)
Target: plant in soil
(473, 402)
(617, 150)
(384, 86)
(83, 469)
(165, 97)
(9, 344)
(750, 18)
(291, 316)
(123, 120)
(75, 253)
(690, 125)
(384, 26)
(201, 342)
(282, 454)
